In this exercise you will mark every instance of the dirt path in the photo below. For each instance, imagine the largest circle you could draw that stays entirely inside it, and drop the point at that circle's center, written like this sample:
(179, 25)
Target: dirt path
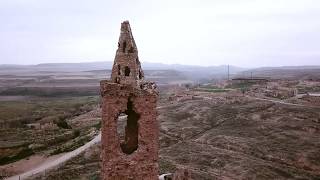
(281, 102)
(55, 162)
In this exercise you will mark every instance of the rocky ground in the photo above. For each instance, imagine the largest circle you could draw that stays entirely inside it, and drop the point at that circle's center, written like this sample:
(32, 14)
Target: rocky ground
(248, 140)
(236, 138)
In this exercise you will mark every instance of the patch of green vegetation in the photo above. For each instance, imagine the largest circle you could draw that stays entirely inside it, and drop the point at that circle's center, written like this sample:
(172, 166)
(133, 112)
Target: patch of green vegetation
(71, 145)
(76, 132)
(209, 87)
(213, 89)
(242, 85)
(62, 123)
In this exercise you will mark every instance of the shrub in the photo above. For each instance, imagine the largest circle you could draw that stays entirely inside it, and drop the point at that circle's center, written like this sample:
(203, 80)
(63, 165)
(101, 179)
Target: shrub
(76, 133)
(62, 123)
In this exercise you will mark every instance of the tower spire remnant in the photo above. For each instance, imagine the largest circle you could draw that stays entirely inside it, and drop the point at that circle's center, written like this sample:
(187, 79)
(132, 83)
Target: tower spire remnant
(127, 96)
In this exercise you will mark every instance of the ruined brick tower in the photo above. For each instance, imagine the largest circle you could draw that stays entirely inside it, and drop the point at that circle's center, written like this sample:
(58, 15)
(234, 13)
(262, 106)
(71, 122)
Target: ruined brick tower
(133, 155)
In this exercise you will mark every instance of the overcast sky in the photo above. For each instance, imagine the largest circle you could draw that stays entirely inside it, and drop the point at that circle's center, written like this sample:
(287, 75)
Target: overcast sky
(247, 33)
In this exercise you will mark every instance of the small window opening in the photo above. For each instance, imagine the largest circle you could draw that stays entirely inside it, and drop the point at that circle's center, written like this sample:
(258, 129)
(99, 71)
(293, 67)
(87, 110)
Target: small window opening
(131, 50)
(127, 71)
(140, 74)
(119, 69)
(118, 80)
(127, 129)
(124, 46)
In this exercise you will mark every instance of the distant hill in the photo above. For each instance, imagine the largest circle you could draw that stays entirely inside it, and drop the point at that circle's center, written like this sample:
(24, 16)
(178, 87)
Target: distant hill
(192, 72)
(284, 72)
(189, 71)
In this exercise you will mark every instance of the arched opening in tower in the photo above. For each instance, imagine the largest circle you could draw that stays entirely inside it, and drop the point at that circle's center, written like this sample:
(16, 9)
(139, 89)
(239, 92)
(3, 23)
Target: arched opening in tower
(126, 71)
(127, 129)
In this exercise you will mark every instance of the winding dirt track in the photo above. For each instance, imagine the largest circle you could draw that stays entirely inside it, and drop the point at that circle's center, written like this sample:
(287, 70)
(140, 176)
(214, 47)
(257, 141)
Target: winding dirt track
(56, 162)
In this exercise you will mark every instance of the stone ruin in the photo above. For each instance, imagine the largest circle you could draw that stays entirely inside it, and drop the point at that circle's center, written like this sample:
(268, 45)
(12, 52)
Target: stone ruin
(134, 155)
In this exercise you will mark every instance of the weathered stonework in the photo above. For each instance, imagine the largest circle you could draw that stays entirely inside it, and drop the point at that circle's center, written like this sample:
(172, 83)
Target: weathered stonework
(126, 68)
(136, 156)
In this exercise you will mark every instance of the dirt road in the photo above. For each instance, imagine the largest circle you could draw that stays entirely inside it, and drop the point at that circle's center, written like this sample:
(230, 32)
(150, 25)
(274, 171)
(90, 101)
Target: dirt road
(56, 162)
(281, 102)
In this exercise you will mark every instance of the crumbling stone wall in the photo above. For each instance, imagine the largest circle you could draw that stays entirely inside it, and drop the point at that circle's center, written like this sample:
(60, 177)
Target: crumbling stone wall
(135, 156)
